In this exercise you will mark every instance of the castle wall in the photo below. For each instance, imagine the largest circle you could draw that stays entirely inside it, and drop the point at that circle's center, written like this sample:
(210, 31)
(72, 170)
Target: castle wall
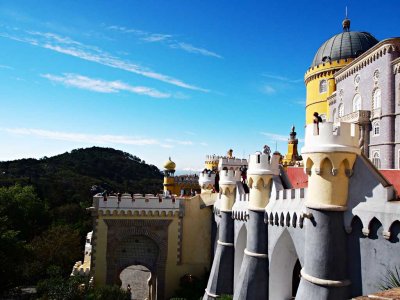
(397, 117)
(374, 71)
(167, 222)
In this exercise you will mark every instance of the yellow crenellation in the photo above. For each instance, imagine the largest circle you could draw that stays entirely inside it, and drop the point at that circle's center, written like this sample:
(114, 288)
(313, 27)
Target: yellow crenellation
(328, 179)
(260, 190)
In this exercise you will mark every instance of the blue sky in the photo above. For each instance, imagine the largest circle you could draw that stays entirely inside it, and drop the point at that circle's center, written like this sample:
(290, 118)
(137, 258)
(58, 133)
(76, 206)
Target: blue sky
(163, 78)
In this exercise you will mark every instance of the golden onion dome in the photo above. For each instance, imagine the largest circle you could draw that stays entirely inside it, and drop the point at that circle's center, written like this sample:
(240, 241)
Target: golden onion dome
(169, 165)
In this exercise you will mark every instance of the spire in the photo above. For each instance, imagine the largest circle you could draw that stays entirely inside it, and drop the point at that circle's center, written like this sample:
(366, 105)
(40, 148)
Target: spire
(346, 23)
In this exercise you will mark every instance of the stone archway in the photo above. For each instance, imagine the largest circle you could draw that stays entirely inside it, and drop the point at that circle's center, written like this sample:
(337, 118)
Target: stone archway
(139, 281)
(282, 267)
(138, 242)
(240, 245)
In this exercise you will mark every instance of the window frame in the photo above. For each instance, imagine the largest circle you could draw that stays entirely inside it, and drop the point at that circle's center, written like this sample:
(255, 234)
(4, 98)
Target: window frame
(359, 102)
(323, 83)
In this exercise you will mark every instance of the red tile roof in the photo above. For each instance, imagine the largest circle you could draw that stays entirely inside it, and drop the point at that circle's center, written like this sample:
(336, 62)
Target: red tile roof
(299, 179)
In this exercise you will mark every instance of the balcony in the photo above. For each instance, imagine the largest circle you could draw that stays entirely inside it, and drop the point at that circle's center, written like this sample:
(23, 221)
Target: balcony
(359, 117)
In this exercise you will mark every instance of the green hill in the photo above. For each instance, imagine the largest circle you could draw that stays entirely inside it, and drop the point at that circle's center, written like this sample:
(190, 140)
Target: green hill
(73, 177)
(43, 217)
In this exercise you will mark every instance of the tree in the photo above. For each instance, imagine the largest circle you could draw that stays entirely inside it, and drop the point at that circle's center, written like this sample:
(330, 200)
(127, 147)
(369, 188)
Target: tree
(11, 256)
(58, 246)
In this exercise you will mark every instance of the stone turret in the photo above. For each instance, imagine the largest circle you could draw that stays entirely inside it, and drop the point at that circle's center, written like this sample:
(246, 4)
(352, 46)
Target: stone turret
(254, 271)
(220, 281)
(329, 158)
(206, 181)
(329, 153)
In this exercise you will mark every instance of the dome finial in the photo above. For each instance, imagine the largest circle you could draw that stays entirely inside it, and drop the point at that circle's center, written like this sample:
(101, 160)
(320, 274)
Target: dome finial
(346, 23)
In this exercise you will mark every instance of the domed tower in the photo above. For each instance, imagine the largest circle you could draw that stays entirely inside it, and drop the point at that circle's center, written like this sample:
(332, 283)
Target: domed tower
(169, 179)
(334, 54)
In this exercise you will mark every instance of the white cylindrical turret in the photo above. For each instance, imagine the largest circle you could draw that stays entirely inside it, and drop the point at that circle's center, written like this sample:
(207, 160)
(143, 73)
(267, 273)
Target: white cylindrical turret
(207, 180)
(329, 154)
(260, 173)
(227, 186)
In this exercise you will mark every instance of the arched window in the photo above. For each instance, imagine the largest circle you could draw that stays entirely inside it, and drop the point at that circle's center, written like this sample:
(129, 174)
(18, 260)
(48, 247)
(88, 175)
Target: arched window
(376, 159)
(334, 117)
(376, 128)
(323, 86)
(340, 110)
(376, 99)
(357, 102)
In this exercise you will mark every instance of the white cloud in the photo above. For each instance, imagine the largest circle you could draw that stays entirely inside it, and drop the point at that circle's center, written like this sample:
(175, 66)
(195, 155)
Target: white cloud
(179, 142)
(192, 49)
(282, 78)
(268, 89)
(203, 144)
(70, 47)
(165, 38)
(190, 169)
(6, 67)
(156, 37)
(81, 137)
(102, 139)
(102, 86)
(277, 137)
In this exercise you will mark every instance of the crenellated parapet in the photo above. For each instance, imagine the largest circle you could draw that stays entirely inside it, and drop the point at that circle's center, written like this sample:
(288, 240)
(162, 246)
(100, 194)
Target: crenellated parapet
(83, 269)
(329, 153)
(287, 208)
(207, 180)
(332, 137)
(261, 169)
(137, 204)
(231, 163)
(229, 177)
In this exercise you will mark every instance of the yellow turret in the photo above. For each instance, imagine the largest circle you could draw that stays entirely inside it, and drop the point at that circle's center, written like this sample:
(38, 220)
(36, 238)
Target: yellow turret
(292, 155)
(329, 154)
(260, 174)
(227, 188)
(169, 178)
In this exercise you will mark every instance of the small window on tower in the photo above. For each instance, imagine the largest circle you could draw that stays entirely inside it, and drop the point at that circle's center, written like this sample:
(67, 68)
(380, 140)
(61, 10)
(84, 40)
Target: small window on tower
(323, 86)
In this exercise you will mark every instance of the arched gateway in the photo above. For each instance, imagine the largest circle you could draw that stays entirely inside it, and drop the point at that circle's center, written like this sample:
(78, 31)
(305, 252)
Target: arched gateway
(284, 268)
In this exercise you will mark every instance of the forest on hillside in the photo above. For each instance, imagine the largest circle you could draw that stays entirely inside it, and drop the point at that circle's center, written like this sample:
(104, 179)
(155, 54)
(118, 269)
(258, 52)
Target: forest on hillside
(43, 217)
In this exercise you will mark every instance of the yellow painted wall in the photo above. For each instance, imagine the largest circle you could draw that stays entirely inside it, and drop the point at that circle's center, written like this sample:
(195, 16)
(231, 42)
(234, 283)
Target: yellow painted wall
(196, 244)
(316, 101)
(100, 252)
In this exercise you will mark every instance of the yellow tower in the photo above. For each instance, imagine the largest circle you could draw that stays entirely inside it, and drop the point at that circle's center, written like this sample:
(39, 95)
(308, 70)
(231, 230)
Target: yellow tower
(169, 177)
(334, 54)
(211, 162)
(292, 155)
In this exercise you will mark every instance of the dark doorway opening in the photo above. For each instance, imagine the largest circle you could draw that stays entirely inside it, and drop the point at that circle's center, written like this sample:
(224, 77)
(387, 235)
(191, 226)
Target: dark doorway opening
(296, 278)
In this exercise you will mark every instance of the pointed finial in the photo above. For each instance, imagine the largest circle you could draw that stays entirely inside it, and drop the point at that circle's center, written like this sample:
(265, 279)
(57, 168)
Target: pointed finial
(346, 23)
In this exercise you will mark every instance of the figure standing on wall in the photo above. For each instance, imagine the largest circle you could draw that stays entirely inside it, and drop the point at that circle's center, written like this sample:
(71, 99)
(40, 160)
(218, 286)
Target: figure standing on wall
(267, 150)
(317, 120)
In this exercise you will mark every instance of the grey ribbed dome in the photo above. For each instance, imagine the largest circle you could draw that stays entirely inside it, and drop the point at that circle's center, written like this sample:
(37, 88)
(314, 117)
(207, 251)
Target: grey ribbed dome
(348, 44)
